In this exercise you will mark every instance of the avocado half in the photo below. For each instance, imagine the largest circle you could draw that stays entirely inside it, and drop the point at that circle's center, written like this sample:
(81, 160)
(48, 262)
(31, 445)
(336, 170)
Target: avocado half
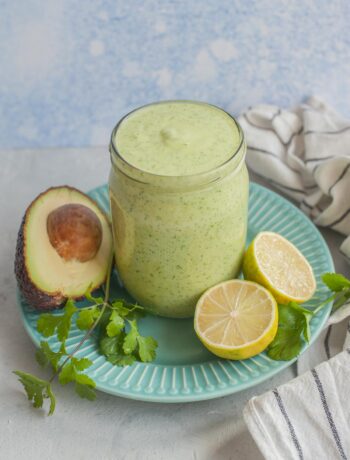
(46, 278)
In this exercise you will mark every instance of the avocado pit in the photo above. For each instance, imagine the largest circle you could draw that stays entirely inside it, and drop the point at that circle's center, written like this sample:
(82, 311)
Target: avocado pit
(75, 232)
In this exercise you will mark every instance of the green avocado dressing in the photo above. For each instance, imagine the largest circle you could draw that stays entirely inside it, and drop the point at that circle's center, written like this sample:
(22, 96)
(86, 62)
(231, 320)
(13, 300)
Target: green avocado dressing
(177, 138)
(177, 236)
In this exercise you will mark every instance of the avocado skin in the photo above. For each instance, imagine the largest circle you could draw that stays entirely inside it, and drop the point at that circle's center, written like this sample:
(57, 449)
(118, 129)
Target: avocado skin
(40, 300)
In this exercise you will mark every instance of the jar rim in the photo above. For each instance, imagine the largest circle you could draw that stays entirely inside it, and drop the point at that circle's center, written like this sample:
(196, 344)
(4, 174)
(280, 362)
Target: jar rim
(197, 177)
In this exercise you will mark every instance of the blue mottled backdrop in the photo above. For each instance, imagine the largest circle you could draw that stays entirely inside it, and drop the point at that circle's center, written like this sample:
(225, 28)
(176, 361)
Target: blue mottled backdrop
(70, 69)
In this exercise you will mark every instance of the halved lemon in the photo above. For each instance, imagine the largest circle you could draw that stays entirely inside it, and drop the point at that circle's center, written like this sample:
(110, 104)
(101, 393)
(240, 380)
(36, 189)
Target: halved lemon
(277, 264)
(236, 319)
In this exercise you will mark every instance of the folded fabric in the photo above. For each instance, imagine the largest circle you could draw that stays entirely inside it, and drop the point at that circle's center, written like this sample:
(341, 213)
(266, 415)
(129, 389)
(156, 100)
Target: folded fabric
(307, 418)
(332, 340)
(305, 153)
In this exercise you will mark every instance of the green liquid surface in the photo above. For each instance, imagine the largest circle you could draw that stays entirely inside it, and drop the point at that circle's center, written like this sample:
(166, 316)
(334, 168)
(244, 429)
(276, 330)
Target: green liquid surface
(177, 138)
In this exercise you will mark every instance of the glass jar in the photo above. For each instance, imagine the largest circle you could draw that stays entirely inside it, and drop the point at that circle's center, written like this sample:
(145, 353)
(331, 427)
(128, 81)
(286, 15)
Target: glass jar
(176, 236)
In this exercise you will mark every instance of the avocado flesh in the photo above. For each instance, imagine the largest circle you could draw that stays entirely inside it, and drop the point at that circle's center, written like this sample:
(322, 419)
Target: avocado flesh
(45, 279)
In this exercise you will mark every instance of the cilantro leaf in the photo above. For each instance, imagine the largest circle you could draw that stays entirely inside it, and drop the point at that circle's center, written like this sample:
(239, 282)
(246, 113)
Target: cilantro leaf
(41, 354)
(84, 379)
(306, 316)
(136, 314)
(67, 374)
(147, 348)
(112, 349)
(146, 345)
(335, 281)
(119, 306)
(123, 360)
(51, 396)
(115, 325)
(123, 348)
(131, 311)
(48, 323)
(341, 299)
(70, 371)
(37, 390)
(293, 322)
(45, 356)
(85, 391)
(34, 387)
(65, 323)
(109, 346)
(84, 385)
(306, 331)
(130, 341)
(87, 317)
(92, 299)
(80, 364)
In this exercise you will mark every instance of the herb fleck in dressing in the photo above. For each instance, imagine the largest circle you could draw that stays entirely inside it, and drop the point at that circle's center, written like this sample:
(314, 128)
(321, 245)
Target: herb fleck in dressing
(179, 196)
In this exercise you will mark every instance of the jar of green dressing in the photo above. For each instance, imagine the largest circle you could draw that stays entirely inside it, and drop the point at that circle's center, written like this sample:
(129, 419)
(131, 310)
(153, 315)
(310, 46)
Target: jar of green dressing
(179, 198)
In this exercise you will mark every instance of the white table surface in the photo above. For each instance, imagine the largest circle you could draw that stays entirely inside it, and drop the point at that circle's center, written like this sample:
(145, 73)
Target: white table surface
(110, 427)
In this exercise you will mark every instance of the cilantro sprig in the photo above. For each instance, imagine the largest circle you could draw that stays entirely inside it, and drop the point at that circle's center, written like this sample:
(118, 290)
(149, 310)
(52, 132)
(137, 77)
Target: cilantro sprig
(117, 334)
(294, 320)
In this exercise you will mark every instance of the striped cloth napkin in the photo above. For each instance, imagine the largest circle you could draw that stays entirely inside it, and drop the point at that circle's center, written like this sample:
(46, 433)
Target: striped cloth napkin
(305, 153)
(307, 418)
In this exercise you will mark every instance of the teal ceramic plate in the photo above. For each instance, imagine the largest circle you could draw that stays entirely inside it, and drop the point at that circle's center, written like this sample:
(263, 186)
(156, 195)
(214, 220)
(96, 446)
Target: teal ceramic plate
(184, 370)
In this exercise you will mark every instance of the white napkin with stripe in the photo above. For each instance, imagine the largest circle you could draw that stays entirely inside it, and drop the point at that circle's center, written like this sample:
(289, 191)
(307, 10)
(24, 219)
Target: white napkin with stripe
(305, 153)
(307, 418)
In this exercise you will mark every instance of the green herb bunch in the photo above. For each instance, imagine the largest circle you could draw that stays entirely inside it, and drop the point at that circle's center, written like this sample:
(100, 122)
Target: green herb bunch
(294, 320)
(115, 326)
